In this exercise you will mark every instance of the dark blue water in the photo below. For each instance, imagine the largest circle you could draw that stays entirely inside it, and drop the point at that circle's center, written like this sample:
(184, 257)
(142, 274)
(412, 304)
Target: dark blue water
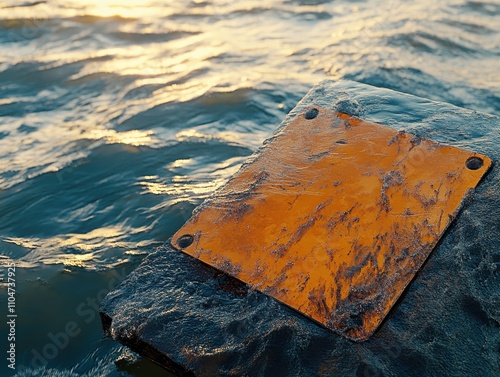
(117, 120)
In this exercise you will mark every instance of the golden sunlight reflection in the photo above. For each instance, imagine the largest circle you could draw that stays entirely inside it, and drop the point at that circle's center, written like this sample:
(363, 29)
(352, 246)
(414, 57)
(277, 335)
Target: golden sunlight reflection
(134, 137)
(181, 163)
(170, 62)
(182, 187)
(78, 250)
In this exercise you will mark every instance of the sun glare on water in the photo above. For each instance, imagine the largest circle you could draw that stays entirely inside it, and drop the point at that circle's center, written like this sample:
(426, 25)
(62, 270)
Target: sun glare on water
(109, 8)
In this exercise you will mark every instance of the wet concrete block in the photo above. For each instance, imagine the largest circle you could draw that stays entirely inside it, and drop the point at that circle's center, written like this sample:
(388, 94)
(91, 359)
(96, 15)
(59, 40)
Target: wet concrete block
(194, 320)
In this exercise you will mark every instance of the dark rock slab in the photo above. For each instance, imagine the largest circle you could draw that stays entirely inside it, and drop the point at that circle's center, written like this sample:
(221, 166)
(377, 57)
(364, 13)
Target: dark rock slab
(194, 320)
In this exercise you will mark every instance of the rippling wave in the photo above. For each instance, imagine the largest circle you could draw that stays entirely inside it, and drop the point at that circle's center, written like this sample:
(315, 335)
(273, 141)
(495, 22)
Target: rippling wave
(116, 120)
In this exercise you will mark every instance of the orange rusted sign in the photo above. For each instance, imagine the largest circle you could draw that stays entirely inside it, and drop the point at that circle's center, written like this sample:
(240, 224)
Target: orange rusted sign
(334, 216)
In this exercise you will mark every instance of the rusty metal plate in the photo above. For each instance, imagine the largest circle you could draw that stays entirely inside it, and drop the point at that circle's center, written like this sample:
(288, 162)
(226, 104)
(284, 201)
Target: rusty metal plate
(334, 216)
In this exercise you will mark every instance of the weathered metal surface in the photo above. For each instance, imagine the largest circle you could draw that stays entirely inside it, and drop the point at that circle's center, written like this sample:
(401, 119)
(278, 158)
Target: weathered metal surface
(334, 216)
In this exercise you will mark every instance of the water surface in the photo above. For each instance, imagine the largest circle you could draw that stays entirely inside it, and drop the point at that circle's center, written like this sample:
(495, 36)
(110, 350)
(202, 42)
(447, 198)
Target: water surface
(117, 120)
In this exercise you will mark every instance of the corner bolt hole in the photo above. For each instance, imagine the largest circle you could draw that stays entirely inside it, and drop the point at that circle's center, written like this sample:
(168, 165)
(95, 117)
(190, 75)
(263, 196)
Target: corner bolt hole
(185, 241)
(311, 114)
(474, 163)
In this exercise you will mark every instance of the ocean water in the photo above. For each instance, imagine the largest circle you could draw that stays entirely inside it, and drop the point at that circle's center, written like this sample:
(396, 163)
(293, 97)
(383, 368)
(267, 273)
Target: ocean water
(118, 118)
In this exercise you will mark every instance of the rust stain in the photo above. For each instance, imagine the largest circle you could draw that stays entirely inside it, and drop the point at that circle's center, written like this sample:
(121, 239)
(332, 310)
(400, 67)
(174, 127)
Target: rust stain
(334, 217)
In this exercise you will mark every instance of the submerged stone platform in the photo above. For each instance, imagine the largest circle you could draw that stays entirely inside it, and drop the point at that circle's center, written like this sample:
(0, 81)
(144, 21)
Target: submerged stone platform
(197, 321)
